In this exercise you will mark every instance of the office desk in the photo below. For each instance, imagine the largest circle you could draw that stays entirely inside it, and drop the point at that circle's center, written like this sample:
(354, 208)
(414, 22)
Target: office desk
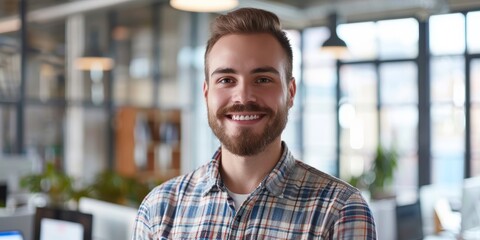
(19, 219)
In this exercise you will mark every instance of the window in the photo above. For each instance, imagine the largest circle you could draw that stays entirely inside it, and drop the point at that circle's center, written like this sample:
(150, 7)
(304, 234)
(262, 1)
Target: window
(379, 97)
(399, 118)
(447, 34)
(358, 118)
(292, 135)
(319, 111)
(473, 32)
(361, 39)
(447, 103)
(397, 38)
(475, 113)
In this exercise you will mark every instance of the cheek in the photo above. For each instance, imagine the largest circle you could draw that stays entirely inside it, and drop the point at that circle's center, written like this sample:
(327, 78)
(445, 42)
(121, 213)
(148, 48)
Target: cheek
(279, 99)
(215, 100)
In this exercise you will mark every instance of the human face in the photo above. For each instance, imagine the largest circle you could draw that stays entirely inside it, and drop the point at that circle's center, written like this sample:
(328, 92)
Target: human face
(247, 93)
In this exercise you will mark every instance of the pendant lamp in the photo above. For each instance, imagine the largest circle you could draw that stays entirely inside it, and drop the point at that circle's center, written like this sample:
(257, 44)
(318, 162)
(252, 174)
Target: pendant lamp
(334, 45)
(204, 5)
(94, 58)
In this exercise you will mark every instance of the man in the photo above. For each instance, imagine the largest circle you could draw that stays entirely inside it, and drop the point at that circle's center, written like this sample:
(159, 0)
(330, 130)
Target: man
(253, 188)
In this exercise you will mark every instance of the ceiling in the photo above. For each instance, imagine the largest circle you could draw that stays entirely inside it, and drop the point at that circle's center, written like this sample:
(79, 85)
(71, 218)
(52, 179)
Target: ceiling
(302, 13)
(293, 13)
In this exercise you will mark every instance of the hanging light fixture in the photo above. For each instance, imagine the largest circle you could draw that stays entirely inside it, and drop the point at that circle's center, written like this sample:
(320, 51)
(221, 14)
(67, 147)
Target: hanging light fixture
(93, 58)
(334, 45)
(204, 5)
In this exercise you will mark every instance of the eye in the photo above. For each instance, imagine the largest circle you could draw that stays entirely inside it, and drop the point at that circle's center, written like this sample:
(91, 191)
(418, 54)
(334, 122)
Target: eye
(225, 80)
(263, 80)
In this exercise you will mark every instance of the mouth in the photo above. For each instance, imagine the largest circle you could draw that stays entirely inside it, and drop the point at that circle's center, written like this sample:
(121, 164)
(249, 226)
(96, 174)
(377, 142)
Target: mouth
(245, 117)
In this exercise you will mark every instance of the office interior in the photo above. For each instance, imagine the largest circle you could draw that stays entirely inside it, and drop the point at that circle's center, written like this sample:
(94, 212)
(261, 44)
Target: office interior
(406, 93)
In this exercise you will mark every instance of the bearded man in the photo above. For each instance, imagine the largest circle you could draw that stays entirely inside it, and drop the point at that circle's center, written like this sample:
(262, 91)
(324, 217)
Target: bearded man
(253, 188)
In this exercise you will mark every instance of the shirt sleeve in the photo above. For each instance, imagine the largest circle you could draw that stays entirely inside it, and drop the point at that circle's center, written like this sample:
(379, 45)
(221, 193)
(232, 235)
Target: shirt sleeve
(355, 220)
(141, 228)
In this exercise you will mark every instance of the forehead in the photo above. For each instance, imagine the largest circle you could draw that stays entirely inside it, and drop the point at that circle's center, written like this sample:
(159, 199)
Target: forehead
(246, 51)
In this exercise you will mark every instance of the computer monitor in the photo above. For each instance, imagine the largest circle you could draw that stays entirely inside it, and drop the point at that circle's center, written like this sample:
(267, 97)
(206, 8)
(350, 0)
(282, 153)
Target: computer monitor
(3, 194)
(60, 224)
(470, 210)
(409, 221)
(11, 235)
(110, 221)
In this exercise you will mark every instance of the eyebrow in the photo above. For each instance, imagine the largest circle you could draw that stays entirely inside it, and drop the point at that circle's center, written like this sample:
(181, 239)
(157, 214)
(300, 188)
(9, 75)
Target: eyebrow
(223, 71)
(254, 71)
(265, 70)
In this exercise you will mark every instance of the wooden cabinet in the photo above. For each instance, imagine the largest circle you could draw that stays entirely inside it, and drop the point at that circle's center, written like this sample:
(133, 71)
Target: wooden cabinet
(147, 143)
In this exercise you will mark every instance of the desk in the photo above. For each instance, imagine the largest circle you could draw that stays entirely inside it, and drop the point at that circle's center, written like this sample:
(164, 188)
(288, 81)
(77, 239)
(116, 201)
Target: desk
(20, 219)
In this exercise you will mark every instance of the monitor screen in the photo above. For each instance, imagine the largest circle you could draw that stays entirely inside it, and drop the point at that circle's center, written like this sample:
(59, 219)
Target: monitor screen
(55, 223)
(11, 235)
(470, 210)
(53, 229)
(110, 221)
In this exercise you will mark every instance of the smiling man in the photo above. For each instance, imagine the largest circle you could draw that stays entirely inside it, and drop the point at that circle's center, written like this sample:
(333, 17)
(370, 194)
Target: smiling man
(253, 188)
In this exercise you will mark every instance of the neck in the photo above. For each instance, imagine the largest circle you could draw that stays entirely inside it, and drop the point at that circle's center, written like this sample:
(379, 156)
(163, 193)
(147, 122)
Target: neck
(242, 174)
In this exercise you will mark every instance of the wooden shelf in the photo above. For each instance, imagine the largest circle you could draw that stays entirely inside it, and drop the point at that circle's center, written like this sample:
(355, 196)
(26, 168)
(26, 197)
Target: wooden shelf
(160, 129)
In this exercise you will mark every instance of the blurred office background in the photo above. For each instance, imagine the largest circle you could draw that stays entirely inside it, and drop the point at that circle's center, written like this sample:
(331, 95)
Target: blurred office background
(409, 82)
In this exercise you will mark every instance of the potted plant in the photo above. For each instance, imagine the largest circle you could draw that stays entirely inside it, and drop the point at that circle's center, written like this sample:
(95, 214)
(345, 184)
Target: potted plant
(108, 186)
(55, 184)
(382, 172)
(379, 178)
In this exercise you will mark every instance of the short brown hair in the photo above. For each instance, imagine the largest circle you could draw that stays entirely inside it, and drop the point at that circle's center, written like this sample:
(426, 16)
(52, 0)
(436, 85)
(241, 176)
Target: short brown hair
(247, 21)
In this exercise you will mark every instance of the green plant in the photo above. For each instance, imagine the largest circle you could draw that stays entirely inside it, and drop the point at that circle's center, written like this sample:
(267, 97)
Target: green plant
(53, 182)
(383, 169)
(378, 179)
(108, 186)
(113, 187)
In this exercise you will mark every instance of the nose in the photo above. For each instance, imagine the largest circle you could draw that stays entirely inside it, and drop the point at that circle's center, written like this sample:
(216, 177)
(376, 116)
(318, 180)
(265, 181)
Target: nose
(244, 93)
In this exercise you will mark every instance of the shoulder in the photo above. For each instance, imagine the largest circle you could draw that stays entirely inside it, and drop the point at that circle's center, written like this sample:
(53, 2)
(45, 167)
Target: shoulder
(350, 215)
(325, 185)
(167, 194)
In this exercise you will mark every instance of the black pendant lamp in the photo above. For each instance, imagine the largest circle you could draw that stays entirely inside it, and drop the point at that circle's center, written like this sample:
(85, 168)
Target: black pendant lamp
(334, 44)
(94, 58)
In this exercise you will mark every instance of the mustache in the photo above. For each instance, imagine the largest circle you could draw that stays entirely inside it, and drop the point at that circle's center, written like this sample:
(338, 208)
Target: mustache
(249, 107)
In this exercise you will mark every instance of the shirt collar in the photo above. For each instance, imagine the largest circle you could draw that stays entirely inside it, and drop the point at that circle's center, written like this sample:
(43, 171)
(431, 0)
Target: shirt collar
(274, 182)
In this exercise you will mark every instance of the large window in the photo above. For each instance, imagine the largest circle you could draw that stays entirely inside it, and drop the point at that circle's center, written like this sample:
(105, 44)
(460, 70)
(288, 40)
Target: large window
(9, 78)
(319, 99)
(378, 105)
(454, 41)
(473, 45)
(379, 95)
(358, 118)
(475, 113)
(447, 119)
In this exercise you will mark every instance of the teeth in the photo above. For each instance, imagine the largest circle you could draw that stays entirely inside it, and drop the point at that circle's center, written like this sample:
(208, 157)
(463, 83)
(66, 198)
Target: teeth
(245, 117)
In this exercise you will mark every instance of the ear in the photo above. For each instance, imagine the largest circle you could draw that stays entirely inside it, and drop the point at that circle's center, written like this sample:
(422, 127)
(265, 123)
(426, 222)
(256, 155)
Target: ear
(205, 89)
(292, 90)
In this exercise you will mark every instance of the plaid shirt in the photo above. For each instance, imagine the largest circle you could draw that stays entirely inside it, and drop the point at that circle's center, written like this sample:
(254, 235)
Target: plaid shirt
(294, 201)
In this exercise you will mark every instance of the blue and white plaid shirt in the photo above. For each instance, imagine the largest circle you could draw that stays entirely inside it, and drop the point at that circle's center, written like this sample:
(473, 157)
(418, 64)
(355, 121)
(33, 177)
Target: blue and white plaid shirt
(294, 201)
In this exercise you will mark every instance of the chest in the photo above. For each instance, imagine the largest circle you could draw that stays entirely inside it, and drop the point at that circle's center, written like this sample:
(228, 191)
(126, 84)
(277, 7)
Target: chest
(260, 217)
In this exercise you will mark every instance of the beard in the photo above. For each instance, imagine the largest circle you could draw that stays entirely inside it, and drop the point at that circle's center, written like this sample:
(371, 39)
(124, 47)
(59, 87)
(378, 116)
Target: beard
(247, 142)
